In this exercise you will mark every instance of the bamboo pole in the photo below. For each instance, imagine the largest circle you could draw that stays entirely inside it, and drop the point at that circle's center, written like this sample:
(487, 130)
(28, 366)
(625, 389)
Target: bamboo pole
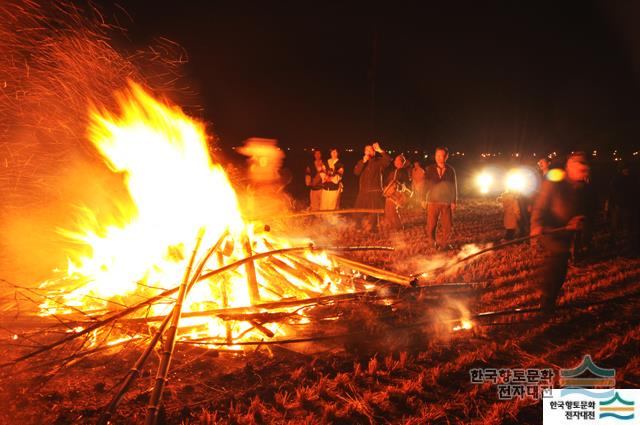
(492, 248)
(153, 407)
(133, 374)
(374, 271)
(225, 299)
(328, 212)
(135, 370)
(252, 280)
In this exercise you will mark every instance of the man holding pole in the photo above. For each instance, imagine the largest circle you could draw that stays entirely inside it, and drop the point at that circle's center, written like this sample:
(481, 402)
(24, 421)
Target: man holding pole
(566, 200)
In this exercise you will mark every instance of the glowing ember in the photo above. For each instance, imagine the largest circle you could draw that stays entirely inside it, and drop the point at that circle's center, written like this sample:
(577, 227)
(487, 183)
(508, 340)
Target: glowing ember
(464, 324)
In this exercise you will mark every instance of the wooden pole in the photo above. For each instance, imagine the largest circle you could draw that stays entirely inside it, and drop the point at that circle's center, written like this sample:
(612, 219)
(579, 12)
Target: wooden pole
(153, 408)
(225, 299)
(252, 280)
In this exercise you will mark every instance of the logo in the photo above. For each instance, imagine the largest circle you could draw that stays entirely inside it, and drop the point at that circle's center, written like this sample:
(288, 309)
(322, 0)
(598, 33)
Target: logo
(625, 410)
(588, 395)
(588, 375)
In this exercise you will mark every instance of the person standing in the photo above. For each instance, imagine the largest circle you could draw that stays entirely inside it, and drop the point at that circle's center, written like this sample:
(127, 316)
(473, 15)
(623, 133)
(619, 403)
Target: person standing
(566, 201)
(314, 177)
(396, 195)
(369, 170)
(511, 213)
(332, 186)
(441, 186)
(418, 182)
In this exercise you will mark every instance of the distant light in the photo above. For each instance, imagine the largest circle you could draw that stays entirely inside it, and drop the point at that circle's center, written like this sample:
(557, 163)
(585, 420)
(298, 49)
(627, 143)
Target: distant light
(555, 175)
(484, 181)
(515, 181)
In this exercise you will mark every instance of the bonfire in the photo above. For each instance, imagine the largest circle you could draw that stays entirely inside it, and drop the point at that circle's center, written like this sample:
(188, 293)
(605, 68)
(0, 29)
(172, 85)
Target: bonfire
(180, 261)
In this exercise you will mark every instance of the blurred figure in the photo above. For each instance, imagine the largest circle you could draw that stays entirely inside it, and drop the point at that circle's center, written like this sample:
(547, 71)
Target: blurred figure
(512, 213)
(396, 194)
(543, 166)
(418, 182)
(314, 177)
(621, 207)
(265, 177)
(332, 185)
(370, 169)
(442, 195)
(566, 200)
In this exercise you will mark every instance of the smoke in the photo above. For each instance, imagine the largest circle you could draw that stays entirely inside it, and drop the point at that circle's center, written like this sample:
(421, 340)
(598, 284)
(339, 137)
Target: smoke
(433, 267)
(56, 60)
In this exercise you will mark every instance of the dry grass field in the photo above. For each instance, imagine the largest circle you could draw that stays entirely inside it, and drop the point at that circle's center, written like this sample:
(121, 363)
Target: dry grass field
(399, 363)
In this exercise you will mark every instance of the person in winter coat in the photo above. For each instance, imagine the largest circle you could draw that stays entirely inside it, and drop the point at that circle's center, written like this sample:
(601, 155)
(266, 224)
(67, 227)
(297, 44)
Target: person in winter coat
(512, 213)
(369, 170)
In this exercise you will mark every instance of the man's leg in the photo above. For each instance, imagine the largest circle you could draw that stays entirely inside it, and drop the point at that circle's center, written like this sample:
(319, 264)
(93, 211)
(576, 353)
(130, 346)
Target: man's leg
(389, 215)
(432, 221)
(554, 272)
(446, 218)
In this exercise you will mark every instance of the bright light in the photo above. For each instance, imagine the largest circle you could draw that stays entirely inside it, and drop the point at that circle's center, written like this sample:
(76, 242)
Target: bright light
(516, 181)
(484, 182)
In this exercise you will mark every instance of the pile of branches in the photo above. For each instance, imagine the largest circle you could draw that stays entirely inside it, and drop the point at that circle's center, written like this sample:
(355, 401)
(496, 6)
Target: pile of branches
(381, 289)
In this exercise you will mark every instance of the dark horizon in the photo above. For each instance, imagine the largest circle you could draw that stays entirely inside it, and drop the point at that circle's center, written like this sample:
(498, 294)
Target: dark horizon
(532, 77)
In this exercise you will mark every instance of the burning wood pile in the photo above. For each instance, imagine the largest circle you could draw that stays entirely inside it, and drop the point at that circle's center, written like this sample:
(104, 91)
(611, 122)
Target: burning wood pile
(179, 264)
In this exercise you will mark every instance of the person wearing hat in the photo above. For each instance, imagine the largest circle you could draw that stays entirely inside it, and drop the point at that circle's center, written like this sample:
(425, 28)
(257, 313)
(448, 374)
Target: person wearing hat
(566, 201)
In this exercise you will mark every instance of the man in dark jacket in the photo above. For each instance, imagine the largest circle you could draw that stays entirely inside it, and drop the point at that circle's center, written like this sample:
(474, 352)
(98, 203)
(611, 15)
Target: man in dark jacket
(566, 200)
(370, 169)
(442, 196)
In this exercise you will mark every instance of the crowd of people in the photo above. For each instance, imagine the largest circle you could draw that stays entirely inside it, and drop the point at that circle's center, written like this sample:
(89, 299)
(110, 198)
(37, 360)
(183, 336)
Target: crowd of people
(559, 216)
(389, 184)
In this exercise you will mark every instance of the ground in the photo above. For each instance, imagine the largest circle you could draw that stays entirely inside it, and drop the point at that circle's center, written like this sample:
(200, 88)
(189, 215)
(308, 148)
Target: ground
(418, 374)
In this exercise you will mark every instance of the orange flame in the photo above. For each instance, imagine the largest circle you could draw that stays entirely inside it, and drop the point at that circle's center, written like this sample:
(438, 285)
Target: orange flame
(174, 190)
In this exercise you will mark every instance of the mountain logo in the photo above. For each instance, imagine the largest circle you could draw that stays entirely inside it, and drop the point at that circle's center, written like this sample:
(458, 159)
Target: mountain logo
(624, 410)
(579, 376)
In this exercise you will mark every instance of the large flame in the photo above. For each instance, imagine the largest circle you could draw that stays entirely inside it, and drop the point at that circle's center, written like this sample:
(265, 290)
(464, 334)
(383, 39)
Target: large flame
(174, 188)
(175, 191)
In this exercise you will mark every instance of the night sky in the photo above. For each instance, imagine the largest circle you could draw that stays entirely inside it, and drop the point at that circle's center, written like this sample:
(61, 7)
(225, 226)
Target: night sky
(476, 76)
